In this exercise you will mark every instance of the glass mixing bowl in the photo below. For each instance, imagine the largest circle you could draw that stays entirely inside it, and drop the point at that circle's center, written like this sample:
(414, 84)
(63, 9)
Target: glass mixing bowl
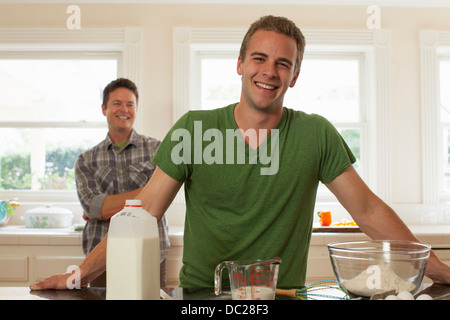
(369, 267)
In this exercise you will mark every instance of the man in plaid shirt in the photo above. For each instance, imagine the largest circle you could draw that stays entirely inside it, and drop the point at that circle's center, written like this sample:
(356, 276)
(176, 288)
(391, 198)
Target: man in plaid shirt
(116, 170)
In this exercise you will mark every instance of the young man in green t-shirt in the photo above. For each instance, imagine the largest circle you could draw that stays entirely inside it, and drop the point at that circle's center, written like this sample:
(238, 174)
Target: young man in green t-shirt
(249, 203)
(235, 209)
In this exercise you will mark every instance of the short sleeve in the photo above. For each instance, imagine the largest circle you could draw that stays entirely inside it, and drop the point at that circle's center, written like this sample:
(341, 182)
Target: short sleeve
(174, 153)
(335, 154)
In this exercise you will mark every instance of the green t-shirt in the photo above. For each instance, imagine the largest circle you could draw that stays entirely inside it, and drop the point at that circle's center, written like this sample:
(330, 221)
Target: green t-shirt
(249, 204)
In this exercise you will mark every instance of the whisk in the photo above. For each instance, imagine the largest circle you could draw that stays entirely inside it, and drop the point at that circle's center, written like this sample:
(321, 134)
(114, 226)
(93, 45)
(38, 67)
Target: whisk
(320, 290)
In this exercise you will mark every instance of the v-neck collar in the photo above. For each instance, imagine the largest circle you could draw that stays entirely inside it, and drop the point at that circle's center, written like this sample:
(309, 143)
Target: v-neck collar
(279, 126)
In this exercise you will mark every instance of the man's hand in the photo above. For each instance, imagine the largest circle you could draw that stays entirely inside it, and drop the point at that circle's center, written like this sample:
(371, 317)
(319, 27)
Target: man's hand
(58, 281)
(437, 271)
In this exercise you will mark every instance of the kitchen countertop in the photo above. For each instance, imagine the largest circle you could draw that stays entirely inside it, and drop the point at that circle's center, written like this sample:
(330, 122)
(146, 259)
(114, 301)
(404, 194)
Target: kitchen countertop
(21, 235)
(99, 293)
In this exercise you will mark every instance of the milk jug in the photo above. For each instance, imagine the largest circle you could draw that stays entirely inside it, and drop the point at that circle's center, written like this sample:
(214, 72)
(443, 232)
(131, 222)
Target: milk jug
(132, 255)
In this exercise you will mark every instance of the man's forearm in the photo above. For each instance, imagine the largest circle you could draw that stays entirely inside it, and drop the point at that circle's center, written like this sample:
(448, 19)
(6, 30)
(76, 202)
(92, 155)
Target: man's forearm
(381, 222)
(95, 263)
(114, 203)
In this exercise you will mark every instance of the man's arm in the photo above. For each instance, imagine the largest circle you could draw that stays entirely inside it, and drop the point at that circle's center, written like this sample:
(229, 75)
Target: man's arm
(158, 194)
(114, 203)
(94, 200)
(376, 219)
(156, 197)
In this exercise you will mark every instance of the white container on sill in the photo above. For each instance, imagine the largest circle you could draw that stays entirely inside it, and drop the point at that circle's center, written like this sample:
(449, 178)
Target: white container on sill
(132, 255)
(48, 217)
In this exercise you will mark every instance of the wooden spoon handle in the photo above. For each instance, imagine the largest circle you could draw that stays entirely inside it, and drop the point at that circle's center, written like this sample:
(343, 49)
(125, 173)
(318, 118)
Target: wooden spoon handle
(289, 292)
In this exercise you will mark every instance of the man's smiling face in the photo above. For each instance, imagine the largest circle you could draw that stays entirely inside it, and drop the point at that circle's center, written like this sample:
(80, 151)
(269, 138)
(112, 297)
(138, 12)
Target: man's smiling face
(267, 70)
(120, 110)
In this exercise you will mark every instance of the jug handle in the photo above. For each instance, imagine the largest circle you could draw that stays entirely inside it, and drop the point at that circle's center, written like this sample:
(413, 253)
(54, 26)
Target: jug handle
(218, 278)
(276, 260)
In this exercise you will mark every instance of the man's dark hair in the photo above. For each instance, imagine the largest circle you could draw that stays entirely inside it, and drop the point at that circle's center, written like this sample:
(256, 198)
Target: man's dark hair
(119, 83)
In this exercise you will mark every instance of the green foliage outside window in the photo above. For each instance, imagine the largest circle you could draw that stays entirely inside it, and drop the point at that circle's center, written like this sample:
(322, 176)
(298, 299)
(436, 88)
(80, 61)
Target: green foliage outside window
(15, 173)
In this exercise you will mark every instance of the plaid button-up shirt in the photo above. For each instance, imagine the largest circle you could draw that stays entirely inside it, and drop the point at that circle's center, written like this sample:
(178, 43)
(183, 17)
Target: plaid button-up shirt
(106, 170)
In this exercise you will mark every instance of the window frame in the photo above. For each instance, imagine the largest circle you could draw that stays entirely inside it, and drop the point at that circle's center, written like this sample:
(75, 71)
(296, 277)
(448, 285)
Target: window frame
(190, 43)
(433, 45)
(125, 43)
(330, 53)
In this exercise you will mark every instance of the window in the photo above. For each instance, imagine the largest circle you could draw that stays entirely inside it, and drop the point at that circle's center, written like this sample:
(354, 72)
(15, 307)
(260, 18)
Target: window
(329, 85)
(218, 91)
(51, 113)
(444, 102)
(435, 81)
(338, 81)
(51, 103)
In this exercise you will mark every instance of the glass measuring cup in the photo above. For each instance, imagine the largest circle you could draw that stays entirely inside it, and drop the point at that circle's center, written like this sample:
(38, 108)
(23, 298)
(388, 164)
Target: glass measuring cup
(249, 279)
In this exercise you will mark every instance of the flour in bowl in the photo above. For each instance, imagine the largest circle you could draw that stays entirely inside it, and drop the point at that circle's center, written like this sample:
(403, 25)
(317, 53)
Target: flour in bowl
(377, 278)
